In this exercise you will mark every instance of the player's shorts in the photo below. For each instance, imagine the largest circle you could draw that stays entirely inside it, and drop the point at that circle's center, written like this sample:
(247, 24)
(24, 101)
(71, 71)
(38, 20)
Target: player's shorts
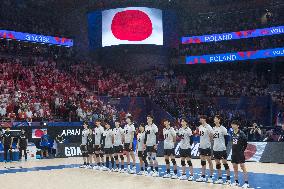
(169, 152)
(142, 154)
(205, 152)
(97, 148)
(151, 149)
(91, 149)
(118, 149)
(126, 147)
(108, 150)
(84, 150)
(185, 153)
(220, 154)
(238, 158)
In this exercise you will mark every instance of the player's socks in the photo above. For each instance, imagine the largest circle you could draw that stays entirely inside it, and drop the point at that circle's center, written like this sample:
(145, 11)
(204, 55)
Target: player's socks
(236, 181)
(122, 166)
(175, 171)
(117, 166)
(168, 171)
(228, 178)
(203, 176)
(156, 169)
(112, 162)
(99, 164)
(246, 182)
(142, 168)
(219, 178)
(152, 168)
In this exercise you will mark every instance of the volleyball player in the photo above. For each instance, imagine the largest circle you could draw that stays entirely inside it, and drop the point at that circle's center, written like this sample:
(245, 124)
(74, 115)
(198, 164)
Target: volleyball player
(23, 144)
(151, 142)
(90, 148)
(206, 136)
(220, 140)
(239, 145)
(142, 154)
(108, 146)
(98, 131)
(83, 146)
(169, 134)
(7, 141)
(129, 132)
(185, 133)
(118, 146)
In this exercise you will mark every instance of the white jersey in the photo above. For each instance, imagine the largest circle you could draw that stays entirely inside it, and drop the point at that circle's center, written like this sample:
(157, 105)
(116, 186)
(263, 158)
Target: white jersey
(108, 136)
(140, 141)
(219, 138)
(85, 134)
(118, 134)
(169, 135)
(185, 134)
(98, 131)
(129, 130)
(151, 132)
(205, 132)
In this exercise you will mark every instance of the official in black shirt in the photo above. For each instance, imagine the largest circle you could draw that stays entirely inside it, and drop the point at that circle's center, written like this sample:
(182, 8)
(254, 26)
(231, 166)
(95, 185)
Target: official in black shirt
(239, 145)
(7, 141)
(23, 144)
(60, 146)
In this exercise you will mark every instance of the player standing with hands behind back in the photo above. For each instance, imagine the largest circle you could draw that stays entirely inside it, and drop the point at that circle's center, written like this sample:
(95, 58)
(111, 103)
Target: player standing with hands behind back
(206, 136)
(151, 142)
(239, 145)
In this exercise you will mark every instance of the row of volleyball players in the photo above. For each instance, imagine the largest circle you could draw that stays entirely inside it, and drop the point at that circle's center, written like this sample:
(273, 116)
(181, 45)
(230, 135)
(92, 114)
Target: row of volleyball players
(114, 144)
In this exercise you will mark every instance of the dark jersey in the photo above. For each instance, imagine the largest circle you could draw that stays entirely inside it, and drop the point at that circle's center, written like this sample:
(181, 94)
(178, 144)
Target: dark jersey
(7, 138)
(90, 140)
(23, 141)
(239, 142)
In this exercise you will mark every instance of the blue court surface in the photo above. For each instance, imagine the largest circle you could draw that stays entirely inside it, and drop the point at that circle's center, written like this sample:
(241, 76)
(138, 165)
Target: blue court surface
(256, 180)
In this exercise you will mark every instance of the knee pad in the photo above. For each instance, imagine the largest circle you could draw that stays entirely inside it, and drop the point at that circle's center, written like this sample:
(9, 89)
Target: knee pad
(149, 158)
(218, 166)
(189, 163)
(121, 157)
(182, 163)
(101, 155)
(97, 155)
(116, 157)
(226, 166)
(167, 161)
(203, 163)
(174, 161)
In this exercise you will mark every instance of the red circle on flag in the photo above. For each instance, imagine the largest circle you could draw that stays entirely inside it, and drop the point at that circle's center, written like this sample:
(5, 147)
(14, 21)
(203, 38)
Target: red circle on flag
(131, 25)
(38, 133)
(250, 151)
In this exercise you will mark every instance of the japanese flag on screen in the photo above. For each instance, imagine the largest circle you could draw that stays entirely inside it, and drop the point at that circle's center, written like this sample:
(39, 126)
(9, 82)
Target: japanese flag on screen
(132, 25)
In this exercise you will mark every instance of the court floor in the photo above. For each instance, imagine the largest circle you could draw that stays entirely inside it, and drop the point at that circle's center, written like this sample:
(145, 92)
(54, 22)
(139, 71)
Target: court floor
(64, 173)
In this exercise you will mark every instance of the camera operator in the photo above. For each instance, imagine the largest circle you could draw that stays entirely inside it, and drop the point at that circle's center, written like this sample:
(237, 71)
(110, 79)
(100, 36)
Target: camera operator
(255, 133)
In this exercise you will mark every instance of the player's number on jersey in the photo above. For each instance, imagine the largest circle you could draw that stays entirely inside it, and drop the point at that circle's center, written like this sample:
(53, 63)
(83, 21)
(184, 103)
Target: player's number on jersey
(201, 133)
(216, 135)
(166, 136)
(235, 141)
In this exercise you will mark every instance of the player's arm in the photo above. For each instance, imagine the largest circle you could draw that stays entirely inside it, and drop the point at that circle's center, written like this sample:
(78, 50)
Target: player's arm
(211, 132)
(174, 134)
(112, 137)
(191, 136)
(11, 144)
(156, 134)
(244, 141)
(226, 136)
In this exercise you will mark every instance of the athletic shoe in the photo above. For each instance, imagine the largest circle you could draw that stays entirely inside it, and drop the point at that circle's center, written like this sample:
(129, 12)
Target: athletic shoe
(183, 177)
(151, 173)
(88, 167)
(167, 175)
(116, 170)
(201, 179)
(104, 168)
(174, 176)
(235, 184)
(83, 166)
(140, 173)
(122, 171)
(95, 167)
(245, 185)
(155, 174)
(112, 170)
(228, 182)
(145, 173)
(190, 178)
(132, 171)
(148, 169)
(219, 181)
(210, 180)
